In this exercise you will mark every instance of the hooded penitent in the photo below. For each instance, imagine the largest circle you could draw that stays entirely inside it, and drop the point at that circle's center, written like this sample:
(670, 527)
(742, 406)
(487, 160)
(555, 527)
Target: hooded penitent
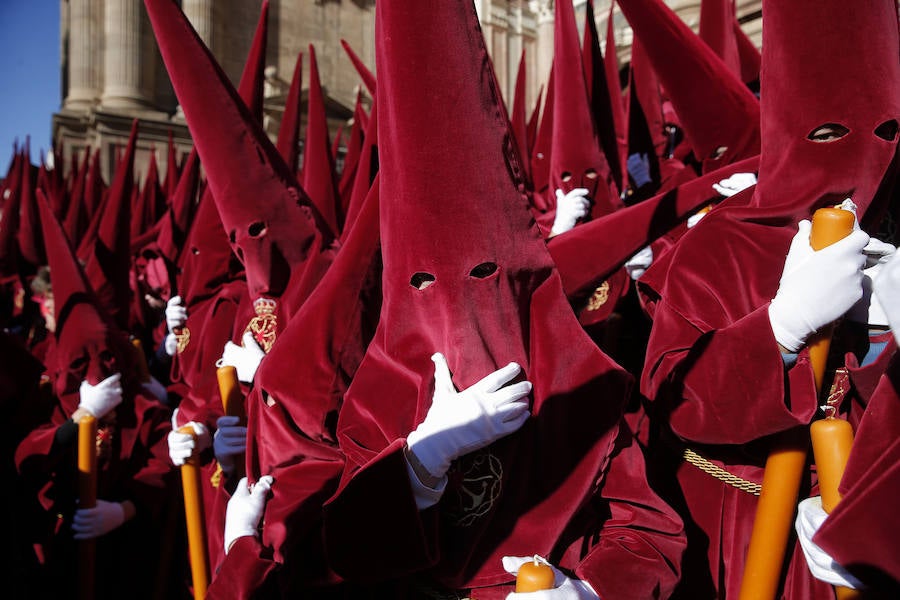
(289, 131)
(720, 116)
(88, 346)
(466, 273)
(712, 352)
(272, 225)
(717, 18)
(576, 155)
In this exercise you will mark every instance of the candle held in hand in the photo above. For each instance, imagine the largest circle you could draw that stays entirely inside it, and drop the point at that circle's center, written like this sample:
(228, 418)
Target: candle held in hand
(534, 575)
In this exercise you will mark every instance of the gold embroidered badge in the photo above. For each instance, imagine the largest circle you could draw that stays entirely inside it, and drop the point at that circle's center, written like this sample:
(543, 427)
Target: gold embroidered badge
(264, 325)
(599, 297)
(183, 338)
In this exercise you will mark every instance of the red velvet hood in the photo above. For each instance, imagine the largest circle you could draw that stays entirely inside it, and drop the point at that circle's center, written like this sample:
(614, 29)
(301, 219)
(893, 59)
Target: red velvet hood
(176, 223)
(272, 225)
(717, 18)
(827, 62)
(518, 119)
(364, 72)
(289, 130)
(108, 256)
(88, 346)
(576, 158)
(317, 175)
(251, 86)
(715, 107)
(454, 213)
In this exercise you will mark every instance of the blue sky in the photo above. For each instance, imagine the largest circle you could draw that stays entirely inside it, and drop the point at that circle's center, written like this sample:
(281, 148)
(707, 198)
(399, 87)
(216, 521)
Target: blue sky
(29, 74)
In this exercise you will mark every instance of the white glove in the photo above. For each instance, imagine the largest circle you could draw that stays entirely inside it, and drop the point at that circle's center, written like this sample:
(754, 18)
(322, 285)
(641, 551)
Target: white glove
(176, 313)
(816, 287)
(887, 291)
(229, 443)
(245, 509)
(171, 344)
(100, 399)
(461, 422)
(810, 517)
(93, 522)
(156, 389)
(565, 588)
(184, 445)
(570, 207)
(869, 310)
(244, 358)
(736, 183)
(640, 262)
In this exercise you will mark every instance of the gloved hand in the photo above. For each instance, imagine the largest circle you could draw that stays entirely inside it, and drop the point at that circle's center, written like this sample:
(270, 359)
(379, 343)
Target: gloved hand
(93, 522)
(245, 509)
(170, 344)
(244, 358)
(570, 207)
(816, 287)
(887, 290)
(565, 588)
(639, 168)
(100, 399)
(695, 218)
(184, 445)
(810, 517)
(229, 443)
(640, 262)
(176, 313)
(461, 422)
(156, 389)
(869, 310)
(736, 183)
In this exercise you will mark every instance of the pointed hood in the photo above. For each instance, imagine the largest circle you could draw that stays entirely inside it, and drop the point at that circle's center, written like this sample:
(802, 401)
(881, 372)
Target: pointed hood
(269, 219)
(289, 131)
(823, 139)
(517, 118)
(533, 122)
(88, 346)
(31, 247)
(351, 158)
(749, 55)
(94, 186)
(717, 18)
(176, 223)
(144, 213)
(576, 158)
(253, 78)
(543, 145)
(467, 273)
(604, 95)
(76, 218)
(364, 72)
(617, 103)
(9, 223)
(172, 170)
(108, 256)
(366, 169)
(720, 116)
(317, 174)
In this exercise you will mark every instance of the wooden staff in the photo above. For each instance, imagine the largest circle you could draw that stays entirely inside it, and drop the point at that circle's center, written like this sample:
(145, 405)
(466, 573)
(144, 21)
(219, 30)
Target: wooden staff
(196, 523)
(87, 498)
(232, 401)
(786, 462)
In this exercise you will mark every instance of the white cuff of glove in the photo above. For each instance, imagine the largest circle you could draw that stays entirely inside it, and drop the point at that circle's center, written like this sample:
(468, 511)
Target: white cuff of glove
(783, 334)
(170, 344)
(425, 496)
(810, 517)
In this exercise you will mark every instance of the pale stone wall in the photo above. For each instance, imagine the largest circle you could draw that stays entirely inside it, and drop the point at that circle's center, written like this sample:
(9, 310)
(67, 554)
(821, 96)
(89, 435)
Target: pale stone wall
(113, 72)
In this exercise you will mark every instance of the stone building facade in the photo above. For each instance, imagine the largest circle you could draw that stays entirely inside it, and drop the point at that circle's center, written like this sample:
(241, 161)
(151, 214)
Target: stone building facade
(112, 72)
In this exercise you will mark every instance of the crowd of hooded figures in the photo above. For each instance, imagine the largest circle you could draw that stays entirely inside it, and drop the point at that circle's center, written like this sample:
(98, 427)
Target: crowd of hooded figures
(590, 338)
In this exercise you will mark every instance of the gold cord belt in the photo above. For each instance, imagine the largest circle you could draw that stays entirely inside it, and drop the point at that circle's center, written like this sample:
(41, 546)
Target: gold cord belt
(720, 473)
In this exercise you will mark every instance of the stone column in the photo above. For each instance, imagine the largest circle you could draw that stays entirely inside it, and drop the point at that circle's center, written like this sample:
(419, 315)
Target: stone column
(125, 57)
(85, 74)
(200, 14)
(544, 11)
